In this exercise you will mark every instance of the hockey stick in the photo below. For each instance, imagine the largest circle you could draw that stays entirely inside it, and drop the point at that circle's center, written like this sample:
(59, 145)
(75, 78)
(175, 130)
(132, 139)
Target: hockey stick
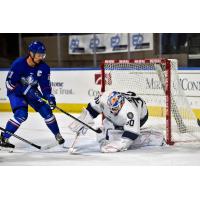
(46, 147)
(95, 130)
(49, 146)
(66, 113)
(22, 139)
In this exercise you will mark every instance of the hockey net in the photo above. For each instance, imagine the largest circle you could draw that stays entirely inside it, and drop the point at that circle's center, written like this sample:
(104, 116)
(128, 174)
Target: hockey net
(158, 83)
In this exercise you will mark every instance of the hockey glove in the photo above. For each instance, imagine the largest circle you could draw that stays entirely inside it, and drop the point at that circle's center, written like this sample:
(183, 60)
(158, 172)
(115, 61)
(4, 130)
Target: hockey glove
(52, 101)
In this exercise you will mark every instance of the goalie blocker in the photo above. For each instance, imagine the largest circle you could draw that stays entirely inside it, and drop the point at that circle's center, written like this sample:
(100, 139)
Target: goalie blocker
(125, 114)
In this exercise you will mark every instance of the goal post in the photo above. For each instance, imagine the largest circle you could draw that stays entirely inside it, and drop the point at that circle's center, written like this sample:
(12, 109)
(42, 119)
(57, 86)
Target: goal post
(157, 82)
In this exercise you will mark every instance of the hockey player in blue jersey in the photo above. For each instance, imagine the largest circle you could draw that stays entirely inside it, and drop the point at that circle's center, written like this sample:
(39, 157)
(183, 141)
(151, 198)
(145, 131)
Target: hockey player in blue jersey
(23, 79)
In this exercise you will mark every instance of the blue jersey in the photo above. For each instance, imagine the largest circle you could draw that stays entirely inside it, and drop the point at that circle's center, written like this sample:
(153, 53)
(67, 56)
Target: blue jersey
(20, 69)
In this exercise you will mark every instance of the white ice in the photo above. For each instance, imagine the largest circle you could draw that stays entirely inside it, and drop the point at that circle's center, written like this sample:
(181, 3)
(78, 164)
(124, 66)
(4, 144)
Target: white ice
(35, 130)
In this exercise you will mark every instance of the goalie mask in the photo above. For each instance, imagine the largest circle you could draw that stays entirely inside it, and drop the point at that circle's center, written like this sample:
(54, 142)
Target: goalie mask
(115, 102)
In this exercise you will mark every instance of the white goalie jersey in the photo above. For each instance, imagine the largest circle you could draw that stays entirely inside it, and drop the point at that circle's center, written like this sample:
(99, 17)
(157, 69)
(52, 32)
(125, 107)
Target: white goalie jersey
(131, 115)
(120, 130)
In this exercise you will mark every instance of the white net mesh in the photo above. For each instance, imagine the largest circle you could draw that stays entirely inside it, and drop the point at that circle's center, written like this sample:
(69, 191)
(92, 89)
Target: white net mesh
(148, 79)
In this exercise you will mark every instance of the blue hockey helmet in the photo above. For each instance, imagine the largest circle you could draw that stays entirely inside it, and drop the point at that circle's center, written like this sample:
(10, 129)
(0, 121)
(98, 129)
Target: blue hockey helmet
(37, 47)
(115, 101)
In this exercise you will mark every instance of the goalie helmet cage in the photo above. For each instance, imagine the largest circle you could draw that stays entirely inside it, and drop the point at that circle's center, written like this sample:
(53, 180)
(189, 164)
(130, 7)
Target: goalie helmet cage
(161, 76)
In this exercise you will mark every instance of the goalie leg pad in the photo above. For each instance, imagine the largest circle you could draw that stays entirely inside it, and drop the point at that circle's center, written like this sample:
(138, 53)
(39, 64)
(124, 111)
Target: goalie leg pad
(149, 138)
(85, 117)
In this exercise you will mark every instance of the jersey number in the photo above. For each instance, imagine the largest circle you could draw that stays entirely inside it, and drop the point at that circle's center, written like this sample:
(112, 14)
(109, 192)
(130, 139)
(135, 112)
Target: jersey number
(10, 74)
(136, 101)
(96, 99)
(130, 122)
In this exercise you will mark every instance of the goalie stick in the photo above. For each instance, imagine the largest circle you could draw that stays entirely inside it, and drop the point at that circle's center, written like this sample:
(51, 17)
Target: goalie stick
(71, 149)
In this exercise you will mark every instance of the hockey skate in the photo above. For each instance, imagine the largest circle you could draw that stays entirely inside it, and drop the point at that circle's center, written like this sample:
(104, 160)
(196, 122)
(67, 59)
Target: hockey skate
(60, 139)
(5, 142)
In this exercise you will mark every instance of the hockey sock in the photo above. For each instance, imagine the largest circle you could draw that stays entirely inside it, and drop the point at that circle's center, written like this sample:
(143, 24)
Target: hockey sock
(49, 118)
(11, 126)
(52, 125)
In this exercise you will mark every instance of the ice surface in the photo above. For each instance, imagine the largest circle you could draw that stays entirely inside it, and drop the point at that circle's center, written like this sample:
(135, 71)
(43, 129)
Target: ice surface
(87, 154)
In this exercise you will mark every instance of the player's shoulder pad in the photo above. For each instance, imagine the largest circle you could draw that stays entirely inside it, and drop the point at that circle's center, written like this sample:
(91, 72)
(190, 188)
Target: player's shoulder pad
(18, 62)
(127, 108)
(44, 66)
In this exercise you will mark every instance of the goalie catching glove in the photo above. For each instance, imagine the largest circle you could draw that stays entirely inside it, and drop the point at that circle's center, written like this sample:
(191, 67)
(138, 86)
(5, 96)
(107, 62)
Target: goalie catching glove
(78, 127)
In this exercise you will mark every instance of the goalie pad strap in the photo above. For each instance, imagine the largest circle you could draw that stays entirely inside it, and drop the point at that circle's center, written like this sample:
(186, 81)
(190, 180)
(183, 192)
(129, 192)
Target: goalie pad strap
(142, 121)
(91, 110)
(129, 135)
